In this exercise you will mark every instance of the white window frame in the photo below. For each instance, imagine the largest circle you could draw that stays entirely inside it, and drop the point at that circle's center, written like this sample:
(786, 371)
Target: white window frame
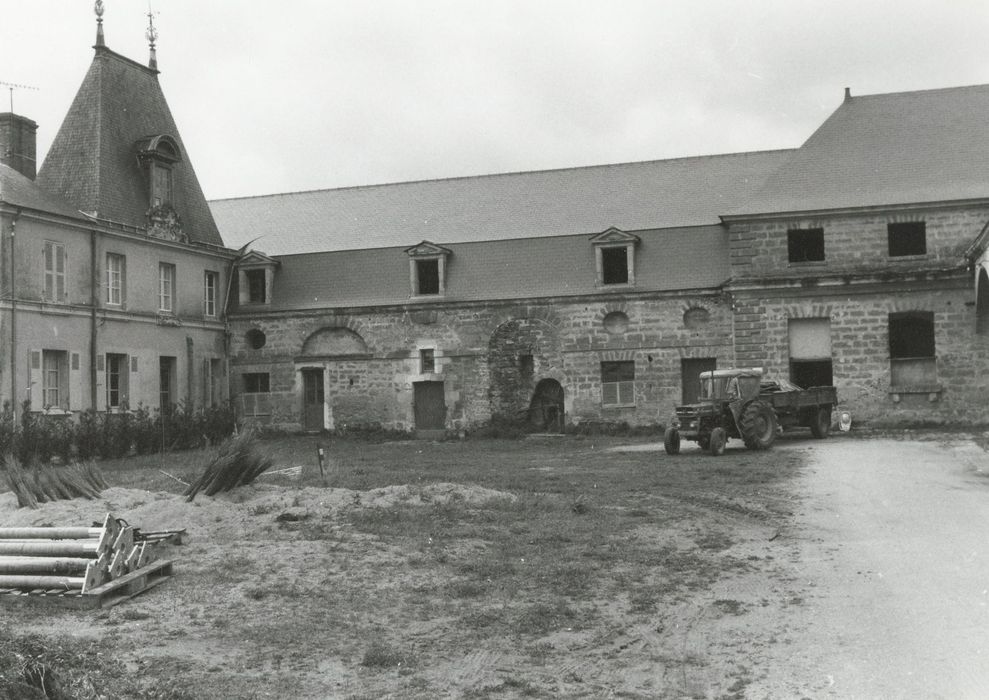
(54, 378)
(122, 365)
(166, 288)
(116, 266)
(54, 282)
(211, 281)
(621, 393)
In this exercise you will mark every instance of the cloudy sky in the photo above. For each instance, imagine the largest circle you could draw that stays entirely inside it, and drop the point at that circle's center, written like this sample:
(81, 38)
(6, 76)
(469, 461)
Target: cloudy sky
(311, 94)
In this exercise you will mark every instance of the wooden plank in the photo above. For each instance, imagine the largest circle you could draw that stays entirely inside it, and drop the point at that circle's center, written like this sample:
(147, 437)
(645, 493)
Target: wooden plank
(101, 596)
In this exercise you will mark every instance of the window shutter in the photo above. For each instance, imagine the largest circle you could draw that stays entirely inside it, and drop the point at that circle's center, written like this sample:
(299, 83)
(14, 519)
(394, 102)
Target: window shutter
(60, 274)
(35, 390)
(133, 363)
(76, 399)
(123, 282)
(101, 382)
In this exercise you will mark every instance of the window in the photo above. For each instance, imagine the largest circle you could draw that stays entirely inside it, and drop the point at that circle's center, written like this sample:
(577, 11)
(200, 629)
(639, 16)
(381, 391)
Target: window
(54, 379)
(209, 292)
(614, 265)
(913, 362)
(54, 271)
(427, 361)
(427, 277)
(526, 366)
(907, 238)
(805, 245)
(256, 383)
(166, 287)
(618, 383)
(117, 373)
(116, 266)
(257, 290)
(166, 381)
(161, 185)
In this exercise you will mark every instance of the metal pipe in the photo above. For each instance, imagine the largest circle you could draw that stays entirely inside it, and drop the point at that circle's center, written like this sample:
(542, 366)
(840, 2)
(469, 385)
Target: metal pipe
(27, 581)
(50, 533)
(43, 565)
(55, 548)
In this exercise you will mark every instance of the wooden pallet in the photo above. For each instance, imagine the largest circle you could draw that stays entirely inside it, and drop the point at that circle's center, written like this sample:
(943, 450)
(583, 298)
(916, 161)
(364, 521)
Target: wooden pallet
(105, 596)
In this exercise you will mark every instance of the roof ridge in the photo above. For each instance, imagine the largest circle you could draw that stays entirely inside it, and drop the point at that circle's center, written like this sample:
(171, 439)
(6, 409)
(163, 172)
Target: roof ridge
(924, 91)
(512, 173)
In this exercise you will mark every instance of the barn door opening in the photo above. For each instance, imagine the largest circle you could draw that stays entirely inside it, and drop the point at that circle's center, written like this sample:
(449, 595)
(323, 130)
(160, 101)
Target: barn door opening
(312, 400)
(430, 409)
(690, 375)
(546, 411)
(810, 352)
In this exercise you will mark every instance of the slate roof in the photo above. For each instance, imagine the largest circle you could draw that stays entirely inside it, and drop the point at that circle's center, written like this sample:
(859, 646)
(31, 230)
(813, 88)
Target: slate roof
(585, 200)
(92, 162)
(21, 191)
(887, 149)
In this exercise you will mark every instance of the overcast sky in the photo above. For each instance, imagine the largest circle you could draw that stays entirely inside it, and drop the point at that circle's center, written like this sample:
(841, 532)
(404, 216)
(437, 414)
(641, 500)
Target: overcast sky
(312, 94)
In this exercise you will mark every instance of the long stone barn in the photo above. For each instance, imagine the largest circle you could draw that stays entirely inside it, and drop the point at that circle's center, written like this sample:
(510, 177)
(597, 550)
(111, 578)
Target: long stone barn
(599, 293)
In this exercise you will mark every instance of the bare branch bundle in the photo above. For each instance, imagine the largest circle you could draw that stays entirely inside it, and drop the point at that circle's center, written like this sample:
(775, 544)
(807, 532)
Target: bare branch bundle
(238, 462)
(43, 484)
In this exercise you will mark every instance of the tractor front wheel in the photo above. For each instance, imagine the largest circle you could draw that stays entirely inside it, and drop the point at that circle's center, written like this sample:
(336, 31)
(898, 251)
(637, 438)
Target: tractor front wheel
(757, 424)
(719, 438)
(671, 441)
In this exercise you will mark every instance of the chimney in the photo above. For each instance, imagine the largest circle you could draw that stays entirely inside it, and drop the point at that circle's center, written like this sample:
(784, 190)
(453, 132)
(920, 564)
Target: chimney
(19, 143)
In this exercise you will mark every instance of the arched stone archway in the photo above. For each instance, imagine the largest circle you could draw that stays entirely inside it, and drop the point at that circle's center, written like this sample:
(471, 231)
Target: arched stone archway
(546, 409)
(334, 342)
(519, 351)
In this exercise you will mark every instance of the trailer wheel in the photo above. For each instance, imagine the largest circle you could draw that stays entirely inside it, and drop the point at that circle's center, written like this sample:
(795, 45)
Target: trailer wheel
(757, 424)
(719, 438)
(671, 441)
(821, 425)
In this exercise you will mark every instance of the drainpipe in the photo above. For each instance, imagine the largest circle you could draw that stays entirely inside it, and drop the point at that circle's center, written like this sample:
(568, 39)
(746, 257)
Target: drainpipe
(94, 294)
(13, 320)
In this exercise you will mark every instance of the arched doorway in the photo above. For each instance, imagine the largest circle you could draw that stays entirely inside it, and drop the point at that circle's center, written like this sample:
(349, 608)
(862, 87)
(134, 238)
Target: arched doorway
(546, 410)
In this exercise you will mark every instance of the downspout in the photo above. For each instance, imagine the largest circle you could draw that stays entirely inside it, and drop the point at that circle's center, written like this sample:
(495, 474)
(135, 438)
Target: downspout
(13, 320)
(93, 325)
(226, 325)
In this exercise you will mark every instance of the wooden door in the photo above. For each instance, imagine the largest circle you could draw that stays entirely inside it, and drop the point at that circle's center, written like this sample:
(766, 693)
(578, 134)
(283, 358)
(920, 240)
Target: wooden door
(429, 406)
(313, 399)
(690, 372)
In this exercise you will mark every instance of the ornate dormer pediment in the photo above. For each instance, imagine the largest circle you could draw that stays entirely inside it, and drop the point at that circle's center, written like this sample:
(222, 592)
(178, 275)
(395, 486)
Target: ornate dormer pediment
(164, 223)
(255, 259)
(614, 236)
(425, 249)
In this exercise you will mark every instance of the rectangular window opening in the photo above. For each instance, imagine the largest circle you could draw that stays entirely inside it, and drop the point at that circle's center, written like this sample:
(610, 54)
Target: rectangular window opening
(614, 265)
(166, 287)
(907, 238)
(912, 351)
(257, 292)
(117, 376)
(618, 383)
(166, 381)
(427, 361)
(115, 266)
(54, 254)
(427, 277)
(256, 383)
(54, 379)
(805, 245)
(210, 282)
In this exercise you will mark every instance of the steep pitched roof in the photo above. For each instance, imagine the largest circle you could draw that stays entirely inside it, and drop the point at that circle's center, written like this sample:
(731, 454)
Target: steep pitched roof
(888, 149)
(93, 160)
(587, 200)
(21, 191)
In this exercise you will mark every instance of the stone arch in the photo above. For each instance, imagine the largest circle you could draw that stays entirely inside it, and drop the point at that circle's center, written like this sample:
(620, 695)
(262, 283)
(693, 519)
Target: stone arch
(519, 351)
(812, 310)
(547, 407)
(334, 341)
(982, 303)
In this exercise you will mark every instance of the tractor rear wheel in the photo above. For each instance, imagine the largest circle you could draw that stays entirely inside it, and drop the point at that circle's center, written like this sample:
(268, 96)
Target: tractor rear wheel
(821, 425)
(671, 441)
(757, 424)
(718, 440)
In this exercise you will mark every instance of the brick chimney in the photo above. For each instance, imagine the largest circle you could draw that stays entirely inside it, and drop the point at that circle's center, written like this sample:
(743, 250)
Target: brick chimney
(19, 143)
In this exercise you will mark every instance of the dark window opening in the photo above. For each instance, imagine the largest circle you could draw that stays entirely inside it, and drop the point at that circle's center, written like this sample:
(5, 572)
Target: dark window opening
(982, 305)
(428, 276)
(614, 265)
(809, 373)
(427, 361)
(256, 338)
(166, 373)
(618, 383)
(911, 335)
(907, 238)
(117, 367)
(257, 292)
(256, 383)
(805, 245)
(526, 365)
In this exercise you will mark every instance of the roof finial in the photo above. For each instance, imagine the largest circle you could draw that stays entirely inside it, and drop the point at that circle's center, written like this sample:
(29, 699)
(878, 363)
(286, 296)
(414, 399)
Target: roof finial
(152, 36)
(98, 9)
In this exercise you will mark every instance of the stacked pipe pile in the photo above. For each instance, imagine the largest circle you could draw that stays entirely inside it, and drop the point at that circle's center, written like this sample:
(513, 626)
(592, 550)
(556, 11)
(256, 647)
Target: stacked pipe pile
(60, 559)
(42, 484)
(237, 463)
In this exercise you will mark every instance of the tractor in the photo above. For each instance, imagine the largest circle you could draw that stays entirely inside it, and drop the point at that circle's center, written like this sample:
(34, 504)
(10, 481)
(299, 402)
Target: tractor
(742, 404)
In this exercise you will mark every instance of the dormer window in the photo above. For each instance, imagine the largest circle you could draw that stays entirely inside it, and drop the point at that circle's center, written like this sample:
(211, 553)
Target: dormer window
(427, 269)
(614, 254)
(157, 155)
(255, 277)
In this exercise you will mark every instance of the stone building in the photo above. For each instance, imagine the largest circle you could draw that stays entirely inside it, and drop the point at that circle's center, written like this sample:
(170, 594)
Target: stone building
(599, 293)
(112, 269)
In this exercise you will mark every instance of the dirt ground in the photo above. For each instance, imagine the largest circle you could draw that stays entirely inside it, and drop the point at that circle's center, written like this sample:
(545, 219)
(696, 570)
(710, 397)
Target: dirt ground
(754, 576)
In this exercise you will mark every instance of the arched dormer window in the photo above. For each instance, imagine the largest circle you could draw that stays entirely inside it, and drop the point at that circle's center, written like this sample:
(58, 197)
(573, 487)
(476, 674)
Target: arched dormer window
(157, 155)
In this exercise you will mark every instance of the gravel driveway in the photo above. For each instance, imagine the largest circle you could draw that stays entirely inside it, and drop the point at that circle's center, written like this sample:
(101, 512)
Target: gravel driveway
(890, 546)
